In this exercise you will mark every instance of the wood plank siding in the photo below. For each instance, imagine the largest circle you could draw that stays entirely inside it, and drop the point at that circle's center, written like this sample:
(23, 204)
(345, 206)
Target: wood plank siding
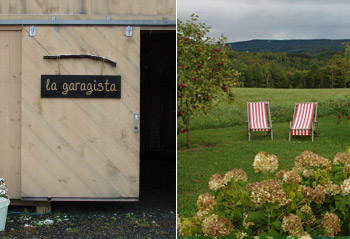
(88, 9)
(10, 110)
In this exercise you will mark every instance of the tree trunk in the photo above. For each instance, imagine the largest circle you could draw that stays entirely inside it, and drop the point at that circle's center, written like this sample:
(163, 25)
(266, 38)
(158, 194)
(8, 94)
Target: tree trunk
(267, 81)
(188, 133)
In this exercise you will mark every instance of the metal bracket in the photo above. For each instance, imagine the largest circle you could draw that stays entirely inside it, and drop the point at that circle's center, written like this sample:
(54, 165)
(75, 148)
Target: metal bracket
(128, 32)
(53, 19)
(32, 31)
(136, 118)
(165, 19)
(108, 19)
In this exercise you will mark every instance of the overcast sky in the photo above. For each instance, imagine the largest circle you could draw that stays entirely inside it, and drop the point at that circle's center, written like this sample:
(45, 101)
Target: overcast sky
(241, 20)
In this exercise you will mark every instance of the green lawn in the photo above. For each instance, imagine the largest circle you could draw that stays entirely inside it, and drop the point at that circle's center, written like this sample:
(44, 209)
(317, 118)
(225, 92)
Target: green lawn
(222, 149)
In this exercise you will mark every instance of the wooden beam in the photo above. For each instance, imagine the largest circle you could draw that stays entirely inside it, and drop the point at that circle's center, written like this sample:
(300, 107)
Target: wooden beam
(41, 206)
(11, 28)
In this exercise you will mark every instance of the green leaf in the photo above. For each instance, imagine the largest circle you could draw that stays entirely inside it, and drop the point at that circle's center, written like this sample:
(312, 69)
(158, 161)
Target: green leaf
(277, 225)
(245, 194)
(238, 214)
(274, 214)
(221, 214)
(292, 206)
(256, 217)
(288, 188)
(272, 232)
(299, 194)
(299, 214)
(291, 195)
(241, 183)
(340, 205)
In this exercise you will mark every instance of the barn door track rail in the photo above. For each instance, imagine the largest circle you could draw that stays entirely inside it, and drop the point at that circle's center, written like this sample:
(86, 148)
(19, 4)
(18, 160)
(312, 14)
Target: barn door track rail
(108, 21)
(94, 57)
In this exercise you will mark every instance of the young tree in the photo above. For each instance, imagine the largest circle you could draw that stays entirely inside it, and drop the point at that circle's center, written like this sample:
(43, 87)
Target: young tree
(336, 71)
(203, 71)
(346, 62)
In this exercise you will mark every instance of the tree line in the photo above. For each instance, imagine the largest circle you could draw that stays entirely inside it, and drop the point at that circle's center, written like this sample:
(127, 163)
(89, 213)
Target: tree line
(330, 69)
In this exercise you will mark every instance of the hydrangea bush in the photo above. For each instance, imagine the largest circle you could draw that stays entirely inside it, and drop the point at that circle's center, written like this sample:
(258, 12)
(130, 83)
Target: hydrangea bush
(3, 189)
(312, 199)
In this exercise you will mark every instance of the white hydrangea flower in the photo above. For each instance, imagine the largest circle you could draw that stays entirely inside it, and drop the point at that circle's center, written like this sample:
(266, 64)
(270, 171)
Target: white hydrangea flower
(345, 187)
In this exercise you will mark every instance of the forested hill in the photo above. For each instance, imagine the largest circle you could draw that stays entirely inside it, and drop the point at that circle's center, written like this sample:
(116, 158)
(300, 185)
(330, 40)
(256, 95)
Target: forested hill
(309, 47)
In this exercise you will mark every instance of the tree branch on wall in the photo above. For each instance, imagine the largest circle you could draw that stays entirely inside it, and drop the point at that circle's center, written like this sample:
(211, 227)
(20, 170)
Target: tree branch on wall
(94, 57)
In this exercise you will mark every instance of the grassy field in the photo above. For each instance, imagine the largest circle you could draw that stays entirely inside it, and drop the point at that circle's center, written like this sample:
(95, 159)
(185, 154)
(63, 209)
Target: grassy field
(288, 96)
(282, 102)
(222, 149)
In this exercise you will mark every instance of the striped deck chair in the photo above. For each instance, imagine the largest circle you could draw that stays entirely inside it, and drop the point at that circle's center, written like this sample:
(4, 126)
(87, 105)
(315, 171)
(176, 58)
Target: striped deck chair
(257, 118)
(302, 120)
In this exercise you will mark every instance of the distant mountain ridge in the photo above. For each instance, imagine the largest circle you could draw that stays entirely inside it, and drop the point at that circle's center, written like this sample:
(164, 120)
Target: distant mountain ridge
(310, 47)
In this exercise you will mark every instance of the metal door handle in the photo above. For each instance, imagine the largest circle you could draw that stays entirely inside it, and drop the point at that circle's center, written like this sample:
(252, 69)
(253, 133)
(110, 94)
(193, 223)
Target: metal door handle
(136, 117)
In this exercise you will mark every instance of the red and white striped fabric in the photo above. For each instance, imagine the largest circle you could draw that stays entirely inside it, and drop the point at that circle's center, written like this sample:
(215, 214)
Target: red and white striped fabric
(303, 119)
(257, 116)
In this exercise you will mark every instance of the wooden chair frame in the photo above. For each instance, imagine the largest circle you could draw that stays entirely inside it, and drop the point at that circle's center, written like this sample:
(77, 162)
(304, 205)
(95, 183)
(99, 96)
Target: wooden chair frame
(314, 124)
(269, 120)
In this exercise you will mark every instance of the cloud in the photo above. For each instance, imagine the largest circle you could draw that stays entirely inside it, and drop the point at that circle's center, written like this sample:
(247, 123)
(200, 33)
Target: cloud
(271, 19)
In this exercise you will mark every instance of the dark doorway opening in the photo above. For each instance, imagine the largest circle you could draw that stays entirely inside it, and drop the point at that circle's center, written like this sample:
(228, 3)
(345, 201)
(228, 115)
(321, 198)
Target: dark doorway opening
(158, 120)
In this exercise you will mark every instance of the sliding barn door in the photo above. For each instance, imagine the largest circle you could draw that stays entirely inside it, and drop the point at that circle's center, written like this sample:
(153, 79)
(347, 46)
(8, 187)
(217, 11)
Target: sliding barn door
(80, 149)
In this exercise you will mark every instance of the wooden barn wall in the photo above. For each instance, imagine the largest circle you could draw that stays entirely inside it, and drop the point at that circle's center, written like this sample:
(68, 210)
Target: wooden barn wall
(80, 148)
(88, 9)
(10, 110)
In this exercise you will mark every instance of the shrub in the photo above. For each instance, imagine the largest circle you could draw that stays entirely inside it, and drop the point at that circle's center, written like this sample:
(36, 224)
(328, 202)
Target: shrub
(341, 108)
(312, 199)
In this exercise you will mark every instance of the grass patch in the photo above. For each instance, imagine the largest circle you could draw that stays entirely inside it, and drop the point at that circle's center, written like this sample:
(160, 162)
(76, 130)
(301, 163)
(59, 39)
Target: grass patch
(229, 147)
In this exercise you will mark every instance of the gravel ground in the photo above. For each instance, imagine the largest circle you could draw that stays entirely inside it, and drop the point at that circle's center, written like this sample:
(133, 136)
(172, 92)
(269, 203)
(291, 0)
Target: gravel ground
(153, 216)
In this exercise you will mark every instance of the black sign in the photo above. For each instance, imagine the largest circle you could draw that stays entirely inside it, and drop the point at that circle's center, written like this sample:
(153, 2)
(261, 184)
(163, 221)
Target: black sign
(80, 86)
